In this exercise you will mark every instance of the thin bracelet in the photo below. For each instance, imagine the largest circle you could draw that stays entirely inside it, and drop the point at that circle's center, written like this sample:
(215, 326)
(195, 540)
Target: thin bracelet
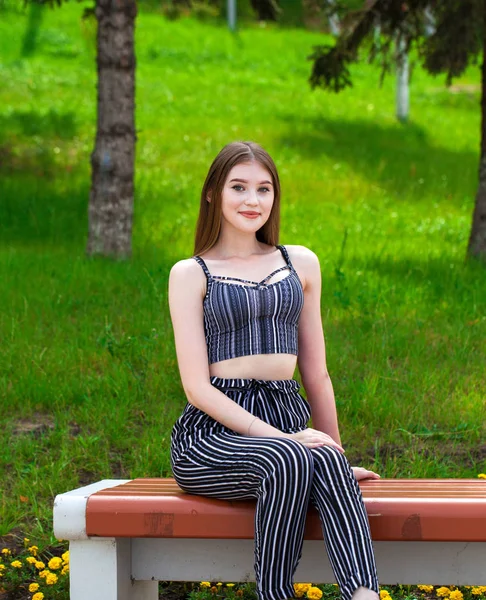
(249, 426)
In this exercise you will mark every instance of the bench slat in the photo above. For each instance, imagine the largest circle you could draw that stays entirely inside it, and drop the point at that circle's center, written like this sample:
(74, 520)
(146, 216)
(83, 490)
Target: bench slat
(415, 510)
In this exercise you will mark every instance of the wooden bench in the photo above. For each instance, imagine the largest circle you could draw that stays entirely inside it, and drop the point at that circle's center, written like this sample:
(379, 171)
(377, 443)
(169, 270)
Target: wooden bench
(125, 536)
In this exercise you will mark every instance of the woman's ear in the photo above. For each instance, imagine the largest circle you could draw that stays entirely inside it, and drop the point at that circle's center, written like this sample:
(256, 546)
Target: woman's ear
(208, 197)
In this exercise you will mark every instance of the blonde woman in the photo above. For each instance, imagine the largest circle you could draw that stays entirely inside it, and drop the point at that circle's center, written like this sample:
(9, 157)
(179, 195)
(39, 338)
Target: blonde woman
(246, 312)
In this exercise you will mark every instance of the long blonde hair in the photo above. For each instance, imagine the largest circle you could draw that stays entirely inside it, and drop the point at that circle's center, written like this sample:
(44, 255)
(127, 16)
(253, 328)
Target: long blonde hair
(209, 220)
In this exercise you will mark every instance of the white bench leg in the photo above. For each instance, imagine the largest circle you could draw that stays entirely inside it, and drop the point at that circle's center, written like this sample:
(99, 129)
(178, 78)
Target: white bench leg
(100, 569)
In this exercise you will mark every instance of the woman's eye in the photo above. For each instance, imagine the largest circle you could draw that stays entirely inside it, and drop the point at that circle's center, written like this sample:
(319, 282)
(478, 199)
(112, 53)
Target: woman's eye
(238, 188)
(264, 189)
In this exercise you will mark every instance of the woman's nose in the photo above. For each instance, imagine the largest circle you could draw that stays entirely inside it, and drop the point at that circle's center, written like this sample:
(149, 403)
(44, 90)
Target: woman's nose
(252, 197)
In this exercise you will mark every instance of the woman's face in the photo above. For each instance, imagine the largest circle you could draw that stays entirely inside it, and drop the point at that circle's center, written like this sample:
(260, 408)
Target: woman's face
(247, 197)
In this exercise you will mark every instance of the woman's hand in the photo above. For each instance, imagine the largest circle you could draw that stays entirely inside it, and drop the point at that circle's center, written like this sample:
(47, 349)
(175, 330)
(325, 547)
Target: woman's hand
(361, 473)
(312, 438)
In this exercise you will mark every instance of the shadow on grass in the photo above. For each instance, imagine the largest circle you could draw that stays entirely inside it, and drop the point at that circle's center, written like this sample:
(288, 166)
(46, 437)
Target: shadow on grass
(34, 210)
(32, 123)
(30, 140)
(400, 159)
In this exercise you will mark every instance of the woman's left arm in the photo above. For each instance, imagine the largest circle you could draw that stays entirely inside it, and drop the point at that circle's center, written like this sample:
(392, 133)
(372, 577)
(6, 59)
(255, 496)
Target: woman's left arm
(312, 352)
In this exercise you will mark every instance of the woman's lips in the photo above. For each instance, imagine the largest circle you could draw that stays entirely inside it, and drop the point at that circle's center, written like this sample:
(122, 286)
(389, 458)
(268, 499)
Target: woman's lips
(250, 215)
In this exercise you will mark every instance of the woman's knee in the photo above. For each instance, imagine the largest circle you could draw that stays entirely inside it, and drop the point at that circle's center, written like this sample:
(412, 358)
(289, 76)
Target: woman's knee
(289, 457)
(331, 458)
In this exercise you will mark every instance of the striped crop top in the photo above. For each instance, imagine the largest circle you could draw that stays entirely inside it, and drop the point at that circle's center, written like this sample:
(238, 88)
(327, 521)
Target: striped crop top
(250, 317)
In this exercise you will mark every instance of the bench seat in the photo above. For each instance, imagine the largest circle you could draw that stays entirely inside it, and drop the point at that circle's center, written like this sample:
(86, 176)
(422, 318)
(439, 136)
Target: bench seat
(125, 536)
(400, 509)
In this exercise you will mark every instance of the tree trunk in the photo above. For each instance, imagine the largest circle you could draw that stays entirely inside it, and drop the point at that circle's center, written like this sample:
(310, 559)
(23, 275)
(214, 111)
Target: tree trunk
(477, 239)
(112, 160)
(403, 89)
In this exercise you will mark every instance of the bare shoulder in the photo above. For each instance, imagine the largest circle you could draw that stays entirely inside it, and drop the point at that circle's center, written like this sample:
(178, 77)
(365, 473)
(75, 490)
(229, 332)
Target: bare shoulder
(187, 273)
(303, 258)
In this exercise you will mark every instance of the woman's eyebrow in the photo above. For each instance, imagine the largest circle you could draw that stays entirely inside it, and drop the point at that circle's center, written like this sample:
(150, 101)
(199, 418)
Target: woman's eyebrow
(245, 181)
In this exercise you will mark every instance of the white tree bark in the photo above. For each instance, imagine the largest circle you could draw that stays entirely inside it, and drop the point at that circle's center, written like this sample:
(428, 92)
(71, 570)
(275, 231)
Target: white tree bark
(403, 91)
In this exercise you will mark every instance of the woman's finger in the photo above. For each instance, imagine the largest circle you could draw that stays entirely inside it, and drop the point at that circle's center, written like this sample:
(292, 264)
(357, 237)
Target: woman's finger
(361, 473)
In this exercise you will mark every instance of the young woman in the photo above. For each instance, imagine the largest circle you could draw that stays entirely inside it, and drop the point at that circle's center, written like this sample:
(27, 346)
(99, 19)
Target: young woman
(246, 312)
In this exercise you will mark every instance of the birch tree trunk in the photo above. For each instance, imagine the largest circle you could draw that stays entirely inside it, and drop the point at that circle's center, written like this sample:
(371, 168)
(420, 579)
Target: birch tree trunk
(112, 161)
(477, 239)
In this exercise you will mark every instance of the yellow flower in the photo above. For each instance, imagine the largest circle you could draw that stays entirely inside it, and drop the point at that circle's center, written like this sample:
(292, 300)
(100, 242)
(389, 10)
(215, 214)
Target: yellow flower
(44, 573)
(65, 570)
(33, 587)
(384, 595)
(314, 593)
(38, 596)
(33, 550)
(426, 588)
(482, 475)
(2, 567)
(477, 590)
(26, 541)
(219, 584)
(230, 585)
(65, 556)
(443, 592)
(16, 564)
(214, 589)
(456, 595)
(39, 565)
(31, 560)
(301, 588)
(6, 552)
(51, 578)
(239, 593)
(55, 563)
(205, 584)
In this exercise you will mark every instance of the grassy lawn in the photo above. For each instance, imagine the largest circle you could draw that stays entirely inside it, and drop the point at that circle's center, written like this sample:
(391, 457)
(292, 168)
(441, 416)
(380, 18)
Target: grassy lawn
(89, 387)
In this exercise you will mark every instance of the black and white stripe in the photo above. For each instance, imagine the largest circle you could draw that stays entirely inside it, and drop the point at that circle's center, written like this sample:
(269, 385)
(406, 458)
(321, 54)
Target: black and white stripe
(250, 317)
(283, 475)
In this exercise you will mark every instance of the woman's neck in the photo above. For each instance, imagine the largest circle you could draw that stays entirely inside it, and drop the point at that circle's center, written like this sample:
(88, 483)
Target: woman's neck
(237, 244)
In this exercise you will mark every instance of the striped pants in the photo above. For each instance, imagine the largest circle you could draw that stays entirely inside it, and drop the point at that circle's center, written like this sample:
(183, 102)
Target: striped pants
(283, 475)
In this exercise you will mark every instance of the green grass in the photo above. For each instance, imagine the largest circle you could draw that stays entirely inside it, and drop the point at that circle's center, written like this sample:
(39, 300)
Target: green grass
(89, 386)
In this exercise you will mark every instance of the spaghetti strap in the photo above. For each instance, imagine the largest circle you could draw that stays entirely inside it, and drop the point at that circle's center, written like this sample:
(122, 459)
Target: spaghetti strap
(268, 277)
(204, 267)
(286, 256)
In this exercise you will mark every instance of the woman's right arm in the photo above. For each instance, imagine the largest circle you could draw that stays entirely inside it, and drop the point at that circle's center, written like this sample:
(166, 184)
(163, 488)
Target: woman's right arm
(187, 288)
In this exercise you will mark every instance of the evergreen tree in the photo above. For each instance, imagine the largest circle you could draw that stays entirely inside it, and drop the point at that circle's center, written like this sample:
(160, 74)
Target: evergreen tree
(457, 40)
